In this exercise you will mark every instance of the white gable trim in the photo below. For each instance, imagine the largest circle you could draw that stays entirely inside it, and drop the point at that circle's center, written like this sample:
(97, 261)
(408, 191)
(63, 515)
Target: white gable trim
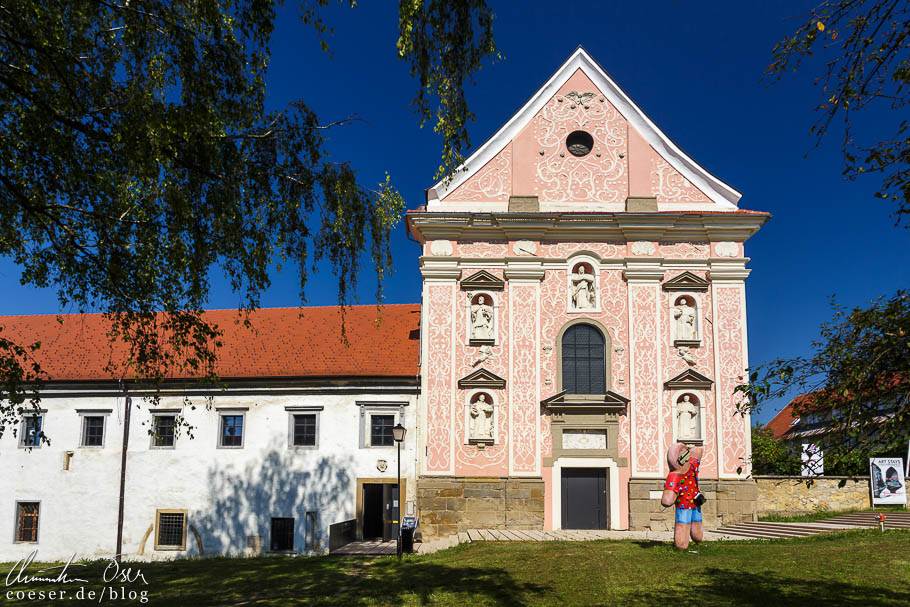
(719, 192)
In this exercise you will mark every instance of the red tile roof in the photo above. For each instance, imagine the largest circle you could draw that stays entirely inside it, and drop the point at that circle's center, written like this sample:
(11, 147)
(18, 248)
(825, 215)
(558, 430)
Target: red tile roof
(281, 343)
(781, 422)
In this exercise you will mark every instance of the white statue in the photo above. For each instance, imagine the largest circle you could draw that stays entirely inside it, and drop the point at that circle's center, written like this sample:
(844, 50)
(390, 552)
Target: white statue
(582, 290)
(683, 352)
(687, 413)
(481, 418)
(481, 319)
(684, 314)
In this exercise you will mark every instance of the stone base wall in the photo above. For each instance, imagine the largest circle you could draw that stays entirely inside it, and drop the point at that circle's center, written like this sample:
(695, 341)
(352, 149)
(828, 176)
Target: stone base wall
(729, 502)
(449, 505)
(795, 495)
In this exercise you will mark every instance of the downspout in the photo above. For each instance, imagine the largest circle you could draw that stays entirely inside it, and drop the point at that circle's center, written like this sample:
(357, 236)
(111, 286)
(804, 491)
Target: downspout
(128, 405)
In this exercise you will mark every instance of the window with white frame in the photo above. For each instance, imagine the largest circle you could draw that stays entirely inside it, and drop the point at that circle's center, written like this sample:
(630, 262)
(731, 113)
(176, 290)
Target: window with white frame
(94, 427)
(377, 422)
(303, 427)
(231, 430)
(164, 430)
(31, 431)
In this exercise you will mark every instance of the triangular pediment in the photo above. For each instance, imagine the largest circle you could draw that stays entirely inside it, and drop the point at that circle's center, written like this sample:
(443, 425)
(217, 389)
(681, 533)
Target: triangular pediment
(689, 379)
(483, 280)
(580, 97)
(481, 378)
(562, 400)
(687, 281)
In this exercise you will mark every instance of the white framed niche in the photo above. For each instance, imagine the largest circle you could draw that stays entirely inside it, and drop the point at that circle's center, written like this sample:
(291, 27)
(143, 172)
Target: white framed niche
(481, 429)
(685, 318)
(583, 285)
(481, 318)
(688, 416)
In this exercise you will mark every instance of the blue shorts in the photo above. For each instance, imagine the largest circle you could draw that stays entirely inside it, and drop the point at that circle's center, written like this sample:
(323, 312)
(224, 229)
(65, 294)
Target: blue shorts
(687, 516)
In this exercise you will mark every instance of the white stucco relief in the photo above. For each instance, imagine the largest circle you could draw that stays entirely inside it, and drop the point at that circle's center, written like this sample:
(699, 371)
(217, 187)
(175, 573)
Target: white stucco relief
(599, 176)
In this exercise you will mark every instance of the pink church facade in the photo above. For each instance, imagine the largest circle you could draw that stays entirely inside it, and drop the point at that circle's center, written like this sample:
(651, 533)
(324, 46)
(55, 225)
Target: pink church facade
(583, 309)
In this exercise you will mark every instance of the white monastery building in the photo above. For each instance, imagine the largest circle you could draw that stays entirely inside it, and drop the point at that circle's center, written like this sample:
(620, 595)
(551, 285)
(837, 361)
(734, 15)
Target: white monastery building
(583, 307)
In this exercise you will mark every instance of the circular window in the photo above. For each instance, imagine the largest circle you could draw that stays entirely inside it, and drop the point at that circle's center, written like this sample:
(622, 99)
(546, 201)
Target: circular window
(579, 143)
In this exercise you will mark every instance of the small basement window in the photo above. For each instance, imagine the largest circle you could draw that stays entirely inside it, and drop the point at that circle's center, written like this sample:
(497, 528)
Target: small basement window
(27, 521)
(282, 535)
(171, 530)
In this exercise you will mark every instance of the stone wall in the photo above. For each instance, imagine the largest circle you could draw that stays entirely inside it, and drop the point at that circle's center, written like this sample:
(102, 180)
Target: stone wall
(449, 505)
(794, 495)
(729, 502)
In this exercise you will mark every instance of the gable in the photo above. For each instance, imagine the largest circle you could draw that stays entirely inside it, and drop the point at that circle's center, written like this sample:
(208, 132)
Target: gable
(628, 157)
(689, 379)
(687, 281)
(483, 280)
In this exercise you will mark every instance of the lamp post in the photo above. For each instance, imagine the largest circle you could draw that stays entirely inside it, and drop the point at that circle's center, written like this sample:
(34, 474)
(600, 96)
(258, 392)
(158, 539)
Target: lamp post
(398, 433)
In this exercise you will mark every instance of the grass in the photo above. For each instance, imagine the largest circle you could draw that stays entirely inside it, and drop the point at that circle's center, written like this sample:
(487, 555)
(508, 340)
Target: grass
(854, 567)
(823, 514)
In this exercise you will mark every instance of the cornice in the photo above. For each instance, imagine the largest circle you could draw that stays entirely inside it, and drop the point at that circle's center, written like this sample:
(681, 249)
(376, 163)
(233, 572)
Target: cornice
(737, 227)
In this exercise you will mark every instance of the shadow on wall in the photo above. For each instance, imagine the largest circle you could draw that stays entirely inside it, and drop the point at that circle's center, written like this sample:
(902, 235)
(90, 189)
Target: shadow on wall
(243, 500)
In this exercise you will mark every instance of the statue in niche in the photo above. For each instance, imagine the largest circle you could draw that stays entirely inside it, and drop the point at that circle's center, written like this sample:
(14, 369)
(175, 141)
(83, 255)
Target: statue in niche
(582, 289)
(684, 315)
(687, 413)
(482, 418)
(481, 319)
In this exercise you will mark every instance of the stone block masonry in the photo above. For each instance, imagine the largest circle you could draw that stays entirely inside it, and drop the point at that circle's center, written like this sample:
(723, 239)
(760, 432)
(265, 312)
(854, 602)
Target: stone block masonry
(450, 505)
(795, 495)
(729, 502)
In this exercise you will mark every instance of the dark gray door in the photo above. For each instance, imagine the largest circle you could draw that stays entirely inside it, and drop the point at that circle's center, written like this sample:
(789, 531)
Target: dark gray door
(584, 498)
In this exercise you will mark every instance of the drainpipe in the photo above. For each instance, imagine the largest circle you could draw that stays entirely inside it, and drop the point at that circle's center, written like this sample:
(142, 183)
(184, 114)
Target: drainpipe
(128, 405)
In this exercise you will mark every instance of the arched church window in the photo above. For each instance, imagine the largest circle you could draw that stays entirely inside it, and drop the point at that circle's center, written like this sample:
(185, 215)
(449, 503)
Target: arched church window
(583, 360)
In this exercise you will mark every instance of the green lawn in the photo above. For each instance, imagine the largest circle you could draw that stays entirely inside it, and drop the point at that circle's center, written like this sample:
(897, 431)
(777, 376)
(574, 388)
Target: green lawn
(851, 568)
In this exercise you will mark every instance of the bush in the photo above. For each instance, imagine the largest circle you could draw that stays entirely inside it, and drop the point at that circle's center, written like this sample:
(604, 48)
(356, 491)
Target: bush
(772, 456)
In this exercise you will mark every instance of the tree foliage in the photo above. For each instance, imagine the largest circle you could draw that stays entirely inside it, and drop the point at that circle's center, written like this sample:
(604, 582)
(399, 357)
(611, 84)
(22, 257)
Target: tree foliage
(860, 53)
(857, 380)
(772, 456)
(137, 154)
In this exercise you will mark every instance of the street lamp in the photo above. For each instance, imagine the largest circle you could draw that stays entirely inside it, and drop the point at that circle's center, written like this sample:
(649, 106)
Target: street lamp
(398, 433)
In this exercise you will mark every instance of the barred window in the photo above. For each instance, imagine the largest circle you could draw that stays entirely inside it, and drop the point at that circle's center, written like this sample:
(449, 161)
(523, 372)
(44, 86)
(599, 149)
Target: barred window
(583, 360)
(164, 431)
(171, 530)
(27, 521)
(92, 431)
(282, 534)
(381, 430)
(305, 430)
(232, 430)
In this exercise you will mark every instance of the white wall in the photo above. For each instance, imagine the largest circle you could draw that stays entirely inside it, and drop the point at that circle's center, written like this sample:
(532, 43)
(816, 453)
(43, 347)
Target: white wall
(229, 493)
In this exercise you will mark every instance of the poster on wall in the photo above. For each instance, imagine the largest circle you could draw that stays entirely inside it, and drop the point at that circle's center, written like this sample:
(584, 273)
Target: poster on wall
(889, 485)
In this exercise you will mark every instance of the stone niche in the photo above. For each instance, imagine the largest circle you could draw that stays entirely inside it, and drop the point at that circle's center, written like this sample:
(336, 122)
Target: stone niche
(448, 505)
(729, 502)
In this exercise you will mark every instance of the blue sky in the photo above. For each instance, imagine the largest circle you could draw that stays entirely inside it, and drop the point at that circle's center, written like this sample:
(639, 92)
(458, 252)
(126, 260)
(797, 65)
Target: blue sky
(694, 67)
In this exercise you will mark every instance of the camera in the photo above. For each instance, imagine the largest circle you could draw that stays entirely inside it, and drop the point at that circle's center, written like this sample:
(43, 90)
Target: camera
(699, 499)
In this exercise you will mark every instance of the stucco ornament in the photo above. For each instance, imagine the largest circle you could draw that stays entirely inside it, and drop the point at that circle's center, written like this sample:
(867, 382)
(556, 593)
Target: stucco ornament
(684, 316)
(382, 465)
(688, 422)
(482, 418)
(525, 247)
(481, 319)
(582, 290)
(683, 353)
(442, 248)
(642, 247)
(484, 353)
(726, 249)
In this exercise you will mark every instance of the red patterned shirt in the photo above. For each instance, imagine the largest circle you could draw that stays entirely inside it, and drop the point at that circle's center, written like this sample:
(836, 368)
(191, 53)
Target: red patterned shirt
(685, 486)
